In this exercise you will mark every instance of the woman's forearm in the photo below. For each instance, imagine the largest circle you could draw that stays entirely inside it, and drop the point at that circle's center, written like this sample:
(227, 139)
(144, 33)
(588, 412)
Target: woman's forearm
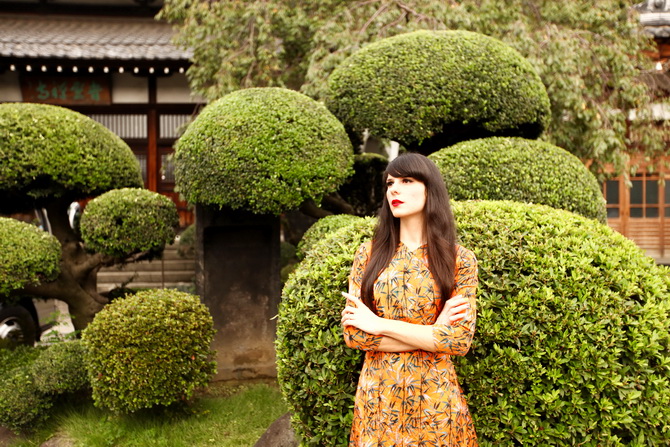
(389, 344)
(417, 336)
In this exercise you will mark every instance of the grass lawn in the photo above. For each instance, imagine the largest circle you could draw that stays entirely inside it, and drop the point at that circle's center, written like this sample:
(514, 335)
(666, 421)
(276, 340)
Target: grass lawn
(225, 416)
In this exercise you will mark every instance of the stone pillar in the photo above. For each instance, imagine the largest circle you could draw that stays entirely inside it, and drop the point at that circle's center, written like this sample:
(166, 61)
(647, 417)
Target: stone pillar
(237, 277)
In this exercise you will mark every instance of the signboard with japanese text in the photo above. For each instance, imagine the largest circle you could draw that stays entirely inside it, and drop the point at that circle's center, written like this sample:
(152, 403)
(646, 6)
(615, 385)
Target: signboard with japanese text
(66, 90)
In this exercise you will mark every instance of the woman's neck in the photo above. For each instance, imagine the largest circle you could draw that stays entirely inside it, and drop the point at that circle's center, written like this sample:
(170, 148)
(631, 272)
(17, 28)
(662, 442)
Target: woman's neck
(411, 232)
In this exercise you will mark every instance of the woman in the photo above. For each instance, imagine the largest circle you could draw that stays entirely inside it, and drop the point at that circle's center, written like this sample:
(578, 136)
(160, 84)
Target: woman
(411, 306)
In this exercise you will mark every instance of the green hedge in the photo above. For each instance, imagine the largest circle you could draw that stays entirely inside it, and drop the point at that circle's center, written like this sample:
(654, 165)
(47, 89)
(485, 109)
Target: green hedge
(521, 170)
(61, 369)
(321, 228)
(429, 89)
(28, 255)
(572, 341)
(266, 150)
(149, 349)
(32, 378)
(50, 152)
(129, 220)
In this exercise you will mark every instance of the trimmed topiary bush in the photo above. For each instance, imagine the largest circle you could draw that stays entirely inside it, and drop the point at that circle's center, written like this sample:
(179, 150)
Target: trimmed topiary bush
(266, 150)
(129, 220)
(52, 152)
(28, 255)
(521, 170)
(321, 228)
(429, 89)
(60, 369)
(572, 341)
(22, 406)
(149, 349)
(317, 373)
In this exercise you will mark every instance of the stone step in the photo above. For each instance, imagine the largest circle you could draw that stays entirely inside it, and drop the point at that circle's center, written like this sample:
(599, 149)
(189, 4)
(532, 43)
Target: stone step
(185, 286)
(152, 266)
(147, 276)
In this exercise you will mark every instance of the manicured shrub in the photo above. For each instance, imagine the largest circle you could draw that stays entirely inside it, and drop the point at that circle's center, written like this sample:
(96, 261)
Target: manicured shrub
(60, 369)
(28, 255)
(521, 170)
(321, 228)
(316, 371)
(149, 349)
(22, 406)
(364, 190)
(266, 150)
(129, 220)
(51, 152)
(572, 341)
(19, 356)
(429, 89)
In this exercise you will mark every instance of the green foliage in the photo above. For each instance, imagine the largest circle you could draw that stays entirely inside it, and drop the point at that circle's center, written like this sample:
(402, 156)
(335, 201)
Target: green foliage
(60, 369)
(266, 150)
(28, 255)
(186, 244)
(589, 56)
(19, 356)
(52, 152)
(125, 221)
(321, 228)
(364, 190)
(572, 344)
(429, 89)
(316, 371)
(22, 406)
(149, 349)
(523, 171)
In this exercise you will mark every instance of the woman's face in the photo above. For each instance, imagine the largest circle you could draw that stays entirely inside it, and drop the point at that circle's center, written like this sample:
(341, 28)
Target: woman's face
(406, 196)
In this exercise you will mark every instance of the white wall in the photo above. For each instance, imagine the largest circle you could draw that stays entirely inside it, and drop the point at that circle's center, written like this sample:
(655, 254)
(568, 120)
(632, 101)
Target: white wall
(10, 91)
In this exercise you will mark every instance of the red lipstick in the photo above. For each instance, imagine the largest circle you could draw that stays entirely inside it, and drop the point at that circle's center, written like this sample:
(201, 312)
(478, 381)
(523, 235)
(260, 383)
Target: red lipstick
(396, 202)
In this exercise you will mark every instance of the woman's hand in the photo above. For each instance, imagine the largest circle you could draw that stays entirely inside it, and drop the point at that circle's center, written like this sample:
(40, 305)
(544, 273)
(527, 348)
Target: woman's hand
(455, 309)
(358, 315)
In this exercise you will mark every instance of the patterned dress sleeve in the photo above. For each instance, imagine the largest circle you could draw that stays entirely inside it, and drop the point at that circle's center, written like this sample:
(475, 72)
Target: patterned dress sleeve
(354, 337)
(455, 339)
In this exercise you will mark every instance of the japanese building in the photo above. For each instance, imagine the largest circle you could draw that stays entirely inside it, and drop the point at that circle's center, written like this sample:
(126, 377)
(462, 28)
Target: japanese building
(110, 60)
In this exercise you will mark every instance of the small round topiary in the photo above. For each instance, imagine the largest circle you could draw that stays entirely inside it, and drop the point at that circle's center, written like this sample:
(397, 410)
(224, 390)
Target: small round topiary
(129, 220)
(429, 89)
(266, 150)
(60, 369)
(149, 349)
(53, 152)
(22, 406)
(572, 334)
(321, 228)
(520, 170)
(28, 255)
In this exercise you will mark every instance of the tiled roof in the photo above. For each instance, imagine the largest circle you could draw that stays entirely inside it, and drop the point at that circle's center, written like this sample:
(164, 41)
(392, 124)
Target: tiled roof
(97, 38)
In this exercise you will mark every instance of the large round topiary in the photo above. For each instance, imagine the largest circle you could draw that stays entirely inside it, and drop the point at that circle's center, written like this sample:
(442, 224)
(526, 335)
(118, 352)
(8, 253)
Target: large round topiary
(429, 89)
(149, 349)
(52, 152)
(129, 220)
(572, 341)
(28, 255)
(521, 170)
(266, 150)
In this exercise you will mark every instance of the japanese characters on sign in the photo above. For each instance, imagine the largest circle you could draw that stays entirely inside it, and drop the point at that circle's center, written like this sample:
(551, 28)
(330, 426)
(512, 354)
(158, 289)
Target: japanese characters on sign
(66, 90)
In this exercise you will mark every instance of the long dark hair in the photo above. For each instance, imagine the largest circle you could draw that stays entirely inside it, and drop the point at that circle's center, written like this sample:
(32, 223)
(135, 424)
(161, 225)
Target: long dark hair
(439, 229)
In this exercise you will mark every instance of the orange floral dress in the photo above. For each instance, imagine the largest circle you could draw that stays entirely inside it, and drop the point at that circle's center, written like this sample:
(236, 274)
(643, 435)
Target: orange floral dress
(412, 398)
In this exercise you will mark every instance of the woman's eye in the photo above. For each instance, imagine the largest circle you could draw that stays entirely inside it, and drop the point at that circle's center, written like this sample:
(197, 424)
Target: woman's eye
(407, 180)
